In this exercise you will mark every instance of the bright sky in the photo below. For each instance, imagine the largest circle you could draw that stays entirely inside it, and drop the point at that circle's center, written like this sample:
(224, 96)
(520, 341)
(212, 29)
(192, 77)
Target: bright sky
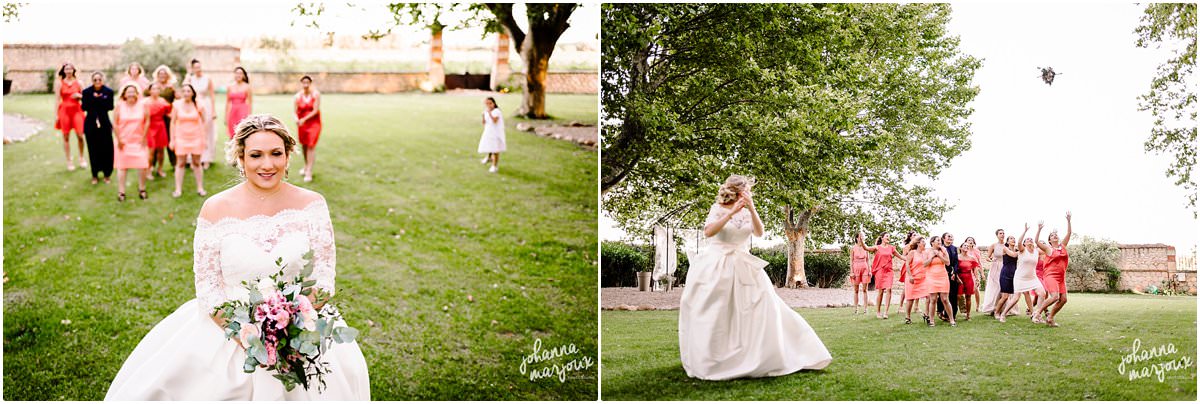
(1040, 150)
(59, 21)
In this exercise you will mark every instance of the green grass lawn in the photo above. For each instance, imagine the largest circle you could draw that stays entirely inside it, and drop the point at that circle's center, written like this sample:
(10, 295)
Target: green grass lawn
(450, 272)
(981, 359)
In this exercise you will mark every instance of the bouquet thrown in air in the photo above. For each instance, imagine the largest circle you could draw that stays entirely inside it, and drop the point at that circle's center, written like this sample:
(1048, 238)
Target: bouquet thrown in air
(282, 331)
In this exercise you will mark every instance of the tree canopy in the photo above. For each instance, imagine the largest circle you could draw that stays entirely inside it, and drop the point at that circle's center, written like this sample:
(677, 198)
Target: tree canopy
(832, 107)
(1172, 96)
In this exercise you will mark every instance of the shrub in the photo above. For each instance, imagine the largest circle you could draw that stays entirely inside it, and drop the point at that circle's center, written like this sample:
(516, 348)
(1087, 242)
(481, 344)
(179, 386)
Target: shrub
(681, 269)
(1090, 256)
(827, 270)
(52, 76)
(776, 258)
(163, 50)
(620, 262)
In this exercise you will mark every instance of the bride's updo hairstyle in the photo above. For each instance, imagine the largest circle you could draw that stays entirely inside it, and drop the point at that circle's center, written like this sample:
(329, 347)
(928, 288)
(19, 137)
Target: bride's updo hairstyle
(236, 148)
(733, 187)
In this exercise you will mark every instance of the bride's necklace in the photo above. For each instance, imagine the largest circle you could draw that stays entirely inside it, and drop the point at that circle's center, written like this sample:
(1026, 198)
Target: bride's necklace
(263, 197)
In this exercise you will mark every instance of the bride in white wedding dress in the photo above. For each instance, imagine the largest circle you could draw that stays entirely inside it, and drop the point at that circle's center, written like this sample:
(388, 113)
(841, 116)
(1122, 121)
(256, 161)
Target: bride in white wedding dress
(239, 235)
(731, 322)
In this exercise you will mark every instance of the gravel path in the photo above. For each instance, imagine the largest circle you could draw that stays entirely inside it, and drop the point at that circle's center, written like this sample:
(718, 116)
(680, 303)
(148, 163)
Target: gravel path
(18, 128)
(632, 299)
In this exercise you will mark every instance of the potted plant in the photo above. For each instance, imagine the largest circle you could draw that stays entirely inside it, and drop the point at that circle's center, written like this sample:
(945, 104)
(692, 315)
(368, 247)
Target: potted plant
(644, 279)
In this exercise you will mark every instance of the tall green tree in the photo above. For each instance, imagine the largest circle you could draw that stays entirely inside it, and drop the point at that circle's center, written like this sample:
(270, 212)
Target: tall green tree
(1172, 96)
(546, 22)
(835, 108)
(161, 50)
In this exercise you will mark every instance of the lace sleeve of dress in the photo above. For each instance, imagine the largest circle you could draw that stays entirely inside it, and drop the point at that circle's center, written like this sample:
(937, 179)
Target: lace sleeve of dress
(324, 252)
(210, 288)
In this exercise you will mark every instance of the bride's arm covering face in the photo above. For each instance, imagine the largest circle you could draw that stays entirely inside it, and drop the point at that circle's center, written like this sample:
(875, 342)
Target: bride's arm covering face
(324, 255)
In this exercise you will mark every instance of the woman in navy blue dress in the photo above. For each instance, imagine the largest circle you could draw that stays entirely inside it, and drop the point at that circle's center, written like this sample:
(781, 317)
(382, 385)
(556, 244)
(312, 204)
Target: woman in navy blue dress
(97, 128)
(1008, 271)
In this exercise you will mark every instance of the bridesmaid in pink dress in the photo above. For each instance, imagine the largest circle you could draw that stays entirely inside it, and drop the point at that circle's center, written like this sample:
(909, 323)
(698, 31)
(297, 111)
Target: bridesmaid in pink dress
(188, 131)
(881, 266)
(915, 289)
(238, 99)
(860, 271)
(132, 124)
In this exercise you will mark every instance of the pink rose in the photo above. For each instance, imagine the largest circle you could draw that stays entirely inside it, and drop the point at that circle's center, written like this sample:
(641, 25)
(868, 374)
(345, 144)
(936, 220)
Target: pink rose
(247, 334)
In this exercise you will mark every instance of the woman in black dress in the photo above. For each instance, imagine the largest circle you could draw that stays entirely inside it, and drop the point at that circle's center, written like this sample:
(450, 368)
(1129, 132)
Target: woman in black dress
(97, 101)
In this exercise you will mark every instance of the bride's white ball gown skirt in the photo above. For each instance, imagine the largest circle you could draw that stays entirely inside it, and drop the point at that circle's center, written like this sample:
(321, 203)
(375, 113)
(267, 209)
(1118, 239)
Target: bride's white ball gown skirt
(186, 356)
(731, 322)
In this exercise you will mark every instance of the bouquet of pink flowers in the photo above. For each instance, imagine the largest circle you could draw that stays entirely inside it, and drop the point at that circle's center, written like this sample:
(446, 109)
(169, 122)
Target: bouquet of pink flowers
(282, 330)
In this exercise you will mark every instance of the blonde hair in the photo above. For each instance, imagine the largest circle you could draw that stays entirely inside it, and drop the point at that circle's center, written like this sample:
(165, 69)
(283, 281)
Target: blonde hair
(733, 187)
(236, 148)
(170, 74)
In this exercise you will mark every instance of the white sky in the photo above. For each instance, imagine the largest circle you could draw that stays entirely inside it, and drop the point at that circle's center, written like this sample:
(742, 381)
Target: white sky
(63, 21)
(1039, 150)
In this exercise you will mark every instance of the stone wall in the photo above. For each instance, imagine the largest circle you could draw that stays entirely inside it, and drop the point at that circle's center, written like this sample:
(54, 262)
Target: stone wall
(26, 64)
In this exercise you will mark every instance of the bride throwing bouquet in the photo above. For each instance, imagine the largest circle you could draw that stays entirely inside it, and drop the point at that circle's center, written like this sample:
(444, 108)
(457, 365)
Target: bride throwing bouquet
(731, 322)
(243, 235)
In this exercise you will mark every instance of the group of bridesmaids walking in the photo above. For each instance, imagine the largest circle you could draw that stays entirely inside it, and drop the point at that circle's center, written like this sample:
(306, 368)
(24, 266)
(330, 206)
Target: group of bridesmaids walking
(159, 120)
(941, 273)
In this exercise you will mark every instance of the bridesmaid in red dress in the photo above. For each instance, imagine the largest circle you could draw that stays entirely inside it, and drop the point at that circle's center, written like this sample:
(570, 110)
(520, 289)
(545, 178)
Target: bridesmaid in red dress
(937, 281)
(238, 99)
(156, 139)
(69, 112)
(916, 288)
(860, 271)
(308, 119)
(968, 263)
(1056, 272)
(881, 267)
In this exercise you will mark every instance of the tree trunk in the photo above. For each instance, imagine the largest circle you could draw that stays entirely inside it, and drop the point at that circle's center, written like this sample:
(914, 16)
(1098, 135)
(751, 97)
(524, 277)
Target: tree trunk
(796, 229)
(537, 63)
(547, 21)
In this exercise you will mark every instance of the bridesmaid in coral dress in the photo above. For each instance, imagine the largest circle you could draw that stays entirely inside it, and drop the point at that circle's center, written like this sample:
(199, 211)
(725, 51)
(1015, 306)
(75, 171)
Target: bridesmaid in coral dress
(187, 138)
(937, 280)
(157, 140)
(238, 100)
(69, 112)
(904, 248)
(308, 121)
(881, 267)
(916, 288)
(1056, 271)
(132, 125)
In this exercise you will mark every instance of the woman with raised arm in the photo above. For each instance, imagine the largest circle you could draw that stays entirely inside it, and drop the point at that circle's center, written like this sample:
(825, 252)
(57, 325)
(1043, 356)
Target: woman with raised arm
(731, 322)
(860, 271)
(1008, 272)
(881, 267)
(1025, 279)
(1056, 271)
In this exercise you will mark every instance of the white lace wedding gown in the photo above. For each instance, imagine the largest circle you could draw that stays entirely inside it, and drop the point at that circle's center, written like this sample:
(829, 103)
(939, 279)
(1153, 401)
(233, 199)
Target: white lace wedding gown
(186, 356)
(731, 322)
